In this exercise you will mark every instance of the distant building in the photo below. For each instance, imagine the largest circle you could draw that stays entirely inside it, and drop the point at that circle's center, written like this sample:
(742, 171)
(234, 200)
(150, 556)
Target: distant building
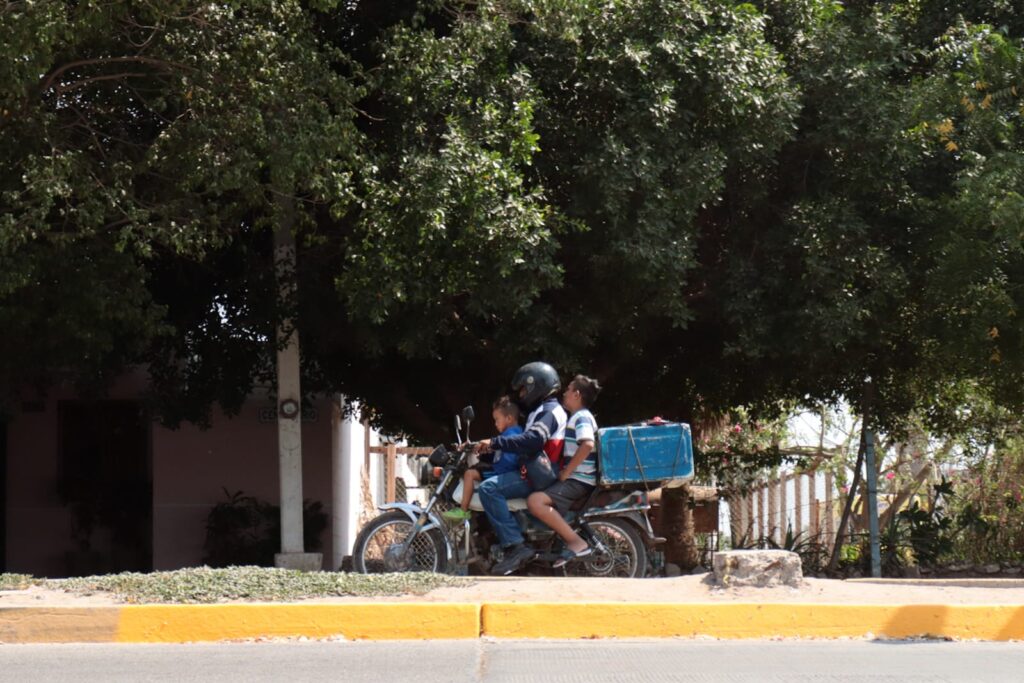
(96, 486)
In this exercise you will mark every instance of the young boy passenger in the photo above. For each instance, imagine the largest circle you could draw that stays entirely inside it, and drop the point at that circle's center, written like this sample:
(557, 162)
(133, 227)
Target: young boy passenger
(579, 469)
(506, 421)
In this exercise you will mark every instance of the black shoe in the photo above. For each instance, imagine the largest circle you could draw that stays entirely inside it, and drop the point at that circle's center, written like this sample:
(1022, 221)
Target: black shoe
(515, 558)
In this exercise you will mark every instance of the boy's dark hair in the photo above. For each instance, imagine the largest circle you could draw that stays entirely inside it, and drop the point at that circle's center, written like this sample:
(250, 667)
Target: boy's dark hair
(507, 407)
(588, 388)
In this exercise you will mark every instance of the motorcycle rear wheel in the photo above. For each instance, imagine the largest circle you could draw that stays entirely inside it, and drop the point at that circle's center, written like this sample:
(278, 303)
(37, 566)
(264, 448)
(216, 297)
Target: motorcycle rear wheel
(377, 547)
(626, 555)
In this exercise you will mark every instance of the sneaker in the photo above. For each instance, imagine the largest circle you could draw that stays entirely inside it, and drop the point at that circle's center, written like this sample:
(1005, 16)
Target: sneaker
(515, 558)
(568, 556)
(456, 515)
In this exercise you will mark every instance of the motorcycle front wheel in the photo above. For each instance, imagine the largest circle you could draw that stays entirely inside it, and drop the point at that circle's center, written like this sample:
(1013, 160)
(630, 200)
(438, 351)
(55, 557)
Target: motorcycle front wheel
(625, 555)
(381, 547)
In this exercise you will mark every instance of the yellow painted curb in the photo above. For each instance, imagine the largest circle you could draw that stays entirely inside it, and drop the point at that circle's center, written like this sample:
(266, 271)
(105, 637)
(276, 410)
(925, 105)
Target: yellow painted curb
(58, 624)
(371, 621)
(735, 620)
(415, 621)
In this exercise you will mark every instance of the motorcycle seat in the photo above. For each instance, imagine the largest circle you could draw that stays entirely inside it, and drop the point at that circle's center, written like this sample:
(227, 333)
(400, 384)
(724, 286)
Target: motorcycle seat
(514, 504)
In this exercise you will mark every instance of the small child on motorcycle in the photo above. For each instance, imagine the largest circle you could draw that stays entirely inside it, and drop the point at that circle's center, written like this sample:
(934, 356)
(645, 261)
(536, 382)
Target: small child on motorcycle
(579, 471)
(506, 421)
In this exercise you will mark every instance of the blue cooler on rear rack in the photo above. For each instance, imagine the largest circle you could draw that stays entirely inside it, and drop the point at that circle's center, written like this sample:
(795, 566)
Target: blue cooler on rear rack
(648, 453)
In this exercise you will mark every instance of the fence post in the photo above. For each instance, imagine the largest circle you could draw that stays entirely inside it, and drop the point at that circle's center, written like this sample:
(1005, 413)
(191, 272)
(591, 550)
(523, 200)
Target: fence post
(812, 504)
(830, 530)
(773, 510)
(750, 517)
(366, 445)
(390, 465)
(761, 512)
(783, 509)
(798, 502)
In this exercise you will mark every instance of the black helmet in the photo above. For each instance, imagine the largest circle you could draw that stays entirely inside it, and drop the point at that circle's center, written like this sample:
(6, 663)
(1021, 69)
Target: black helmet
(540, 381)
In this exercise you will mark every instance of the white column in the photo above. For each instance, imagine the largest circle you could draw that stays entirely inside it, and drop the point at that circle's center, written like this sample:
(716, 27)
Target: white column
(289, 401)
(346, 494)
(289, 427)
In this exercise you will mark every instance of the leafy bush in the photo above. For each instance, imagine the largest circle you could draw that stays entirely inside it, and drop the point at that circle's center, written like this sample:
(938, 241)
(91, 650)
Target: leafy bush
(988, 507)
(814, 554)
(244, 530)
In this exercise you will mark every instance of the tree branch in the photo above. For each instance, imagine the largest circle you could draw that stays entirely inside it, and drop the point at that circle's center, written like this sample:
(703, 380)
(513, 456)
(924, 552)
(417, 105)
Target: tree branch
(75, 85)
(49, 79)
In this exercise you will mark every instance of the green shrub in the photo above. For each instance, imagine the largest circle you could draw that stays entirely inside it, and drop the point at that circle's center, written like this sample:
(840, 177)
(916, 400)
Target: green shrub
(244, 530)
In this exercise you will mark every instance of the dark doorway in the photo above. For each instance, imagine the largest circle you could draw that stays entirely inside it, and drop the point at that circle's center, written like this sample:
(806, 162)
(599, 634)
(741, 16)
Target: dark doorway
(105, 479)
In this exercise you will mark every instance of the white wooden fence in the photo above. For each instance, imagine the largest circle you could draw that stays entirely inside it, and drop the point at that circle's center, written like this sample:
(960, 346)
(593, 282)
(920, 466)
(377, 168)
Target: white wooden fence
(801, 502)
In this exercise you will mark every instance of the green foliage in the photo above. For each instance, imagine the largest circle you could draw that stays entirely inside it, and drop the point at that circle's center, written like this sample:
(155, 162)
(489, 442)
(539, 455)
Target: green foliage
(987, 506)
(735, 452)
(449, 233)
(137, 134)
(244, 530)
(849, 555)
(915, 536)
(703, 204)
(929, 533)
(814, 555)
(251, 584)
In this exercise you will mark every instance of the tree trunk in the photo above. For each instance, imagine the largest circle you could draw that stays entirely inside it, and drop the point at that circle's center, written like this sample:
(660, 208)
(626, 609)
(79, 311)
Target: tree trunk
(677, 526)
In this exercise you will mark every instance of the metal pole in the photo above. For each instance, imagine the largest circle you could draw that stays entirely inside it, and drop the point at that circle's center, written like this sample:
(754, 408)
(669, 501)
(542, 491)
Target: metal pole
(847, 506)
(872, 480)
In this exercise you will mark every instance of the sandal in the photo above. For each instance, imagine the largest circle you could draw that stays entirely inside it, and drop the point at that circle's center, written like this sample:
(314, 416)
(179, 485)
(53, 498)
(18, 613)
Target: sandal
(568, 556)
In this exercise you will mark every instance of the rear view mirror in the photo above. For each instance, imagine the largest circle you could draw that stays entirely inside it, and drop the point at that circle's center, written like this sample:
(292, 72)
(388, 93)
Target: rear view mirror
(468, 414)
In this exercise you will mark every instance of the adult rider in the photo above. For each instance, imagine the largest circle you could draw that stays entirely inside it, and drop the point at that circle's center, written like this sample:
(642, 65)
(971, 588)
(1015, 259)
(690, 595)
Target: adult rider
(535, 387)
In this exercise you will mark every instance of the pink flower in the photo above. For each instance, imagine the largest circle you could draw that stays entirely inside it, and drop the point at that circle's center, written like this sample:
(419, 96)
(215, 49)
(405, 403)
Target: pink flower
(890, 475)
(737, 429)
(846, 489)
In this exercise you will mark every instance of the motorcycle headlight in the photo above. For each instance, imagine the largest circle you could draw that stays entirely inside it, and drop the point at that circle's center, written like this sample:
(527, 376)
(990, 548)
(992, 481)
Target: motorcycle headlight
(439, 458)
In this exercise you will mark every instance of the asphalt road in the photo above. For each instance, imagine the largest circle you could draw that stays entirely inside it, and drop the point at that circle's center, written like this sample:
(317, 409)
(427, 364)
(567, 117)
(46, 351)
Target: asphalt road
(500, 661)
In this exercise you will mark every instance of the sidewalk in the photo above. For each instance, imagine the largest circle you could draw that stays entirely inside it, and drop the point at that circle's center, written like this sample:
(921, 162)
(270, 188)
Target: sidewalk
(688, 606)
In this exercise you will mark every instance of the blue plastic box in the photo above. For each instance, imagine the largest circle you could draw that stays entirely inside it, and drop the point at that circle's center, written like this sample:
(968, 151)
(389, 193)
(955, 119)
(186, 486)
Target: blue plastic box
(637, 453)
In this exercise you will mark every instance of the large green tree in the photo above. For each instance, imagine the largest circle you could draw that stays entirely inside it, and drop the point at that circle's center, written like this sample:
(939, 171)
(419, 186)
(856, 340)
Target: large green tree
(704, 204)
(141, 140)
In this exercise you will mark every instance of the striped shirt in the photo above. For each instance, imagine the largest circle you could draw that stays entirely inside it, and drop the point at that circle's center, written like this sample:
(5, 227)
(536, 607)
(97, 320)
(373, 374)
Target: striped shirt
(581, 427)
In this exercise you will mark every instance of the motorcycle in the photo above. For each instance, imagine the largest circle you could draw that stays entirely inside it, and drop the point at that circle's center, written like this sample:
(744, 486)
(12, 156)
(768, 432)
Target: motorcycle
(409, 537)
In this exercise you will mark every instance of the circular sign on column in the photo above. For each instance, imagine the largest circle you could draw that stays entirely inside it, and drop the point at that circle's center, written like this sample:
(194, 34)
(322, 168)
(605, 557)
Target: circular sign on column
(289, 408)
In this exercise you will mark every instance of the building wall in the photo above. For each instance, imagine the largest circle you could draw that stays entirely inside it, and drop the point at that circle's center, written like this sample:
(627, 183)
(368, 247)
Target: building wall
(38, 526)
(191, 467)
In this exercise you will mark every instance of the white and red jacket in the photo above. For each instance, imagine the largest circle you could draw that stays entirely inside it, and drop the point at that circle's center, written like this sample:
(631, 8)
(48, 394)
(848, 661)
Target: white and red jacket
(545, 431)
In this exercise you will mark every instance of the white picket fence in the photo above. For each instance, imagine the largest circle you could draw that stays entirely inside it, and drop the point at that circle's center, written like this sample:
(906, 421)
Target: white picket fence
(803, 502)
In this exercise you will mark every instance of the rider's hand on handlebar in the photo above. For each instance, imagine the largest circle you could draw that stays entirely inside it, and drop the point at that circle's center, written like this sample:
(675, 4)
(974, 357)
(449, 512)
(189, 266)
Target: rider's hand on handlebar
(482, 447)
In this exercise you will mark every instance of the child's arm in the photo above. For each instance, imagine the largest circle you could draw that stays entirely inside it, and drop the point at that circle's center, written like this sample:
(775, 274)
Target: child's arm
(581, 454)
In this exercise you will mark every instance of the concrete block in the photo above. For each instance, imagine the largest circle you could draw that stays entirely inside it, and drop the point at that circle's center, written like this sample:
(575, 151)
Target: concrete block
(760, 568)
(304, 562)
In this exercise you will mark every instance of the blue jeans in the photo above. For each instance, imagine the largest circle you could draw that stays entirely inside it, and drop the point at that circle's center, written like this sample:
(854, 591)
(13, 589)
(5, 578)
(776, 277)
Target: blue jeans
(494, 494)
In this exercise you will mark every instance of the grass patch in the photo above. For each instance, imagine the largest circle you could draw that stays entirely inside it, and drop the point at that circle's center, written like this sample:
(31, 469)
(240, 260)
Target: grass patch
(17, 582)
(205, 585)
